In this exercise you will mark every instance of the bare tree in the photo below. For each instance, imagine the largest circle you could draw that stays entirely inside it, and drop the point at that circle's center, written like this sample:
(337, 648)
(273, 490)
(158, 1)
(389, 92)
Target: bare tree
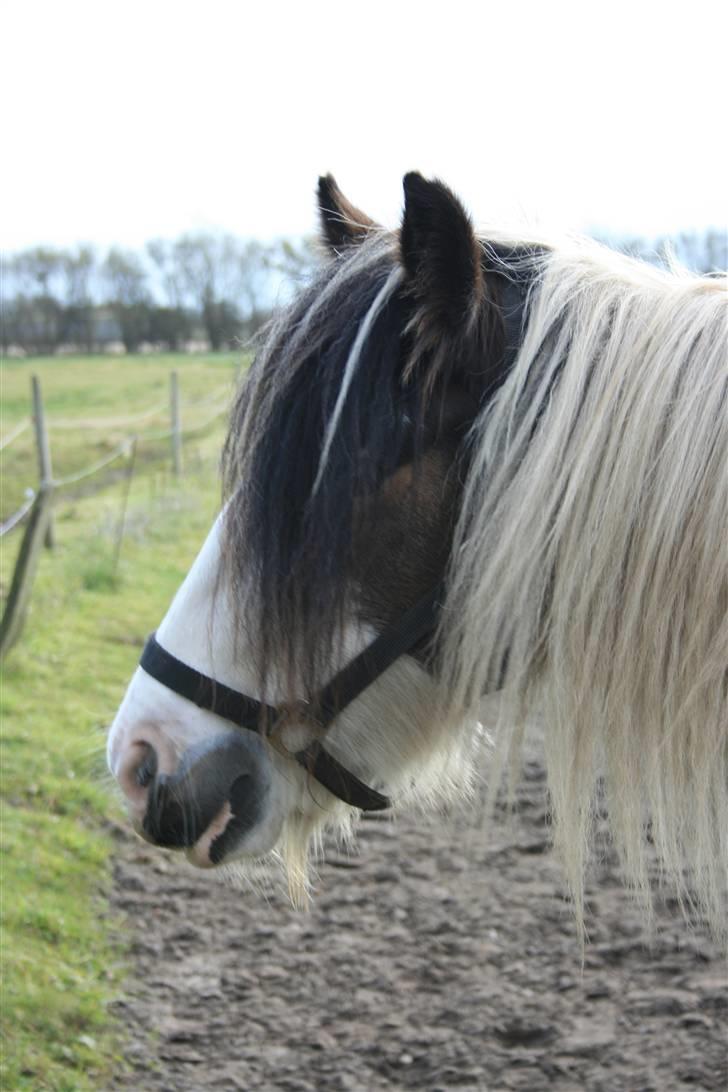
(38, 313)
(79, 268)
(129, 298)
(716, 250)
(290, 263)
(208, 271)
(294, 259)
(162, 253)
(171, 323)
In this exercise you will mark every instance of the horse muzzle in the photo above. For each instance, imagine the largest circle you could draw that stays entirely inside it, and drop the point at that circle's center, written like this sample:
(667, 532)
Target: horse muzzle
(212, 802)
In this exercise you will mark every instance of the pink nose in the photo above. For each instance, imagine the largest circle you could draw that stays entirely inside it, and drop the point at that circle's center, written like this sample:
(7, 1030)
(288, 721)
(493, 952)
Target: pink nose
(148, 753)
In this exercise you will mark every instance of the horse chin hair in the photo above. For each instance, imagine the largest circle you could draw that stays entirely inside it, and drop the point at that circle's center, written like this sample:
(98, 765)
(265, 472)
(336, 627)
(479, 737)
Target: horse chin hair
(398, 725)
(302, 846)
(289, 870)
(434, 768)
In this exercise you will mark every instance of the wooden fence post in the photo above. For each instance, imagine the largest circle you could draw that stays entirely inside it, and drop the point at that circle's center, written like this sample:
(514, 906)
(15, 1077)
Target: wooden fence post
(176, 423)
(44, 453)
(16, 607)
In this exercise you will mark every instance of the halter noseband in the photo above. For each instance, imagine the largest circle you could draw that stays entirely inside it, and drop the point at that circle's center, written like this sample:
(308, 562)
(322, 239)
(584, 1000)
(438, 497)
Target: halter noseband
(246, 712)
(401, 637)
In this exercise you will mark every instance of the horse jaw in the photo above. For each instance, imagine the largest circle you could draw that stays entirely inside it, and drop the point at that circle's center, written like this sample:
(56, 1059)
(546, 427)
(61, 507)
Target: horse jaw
(389, 735)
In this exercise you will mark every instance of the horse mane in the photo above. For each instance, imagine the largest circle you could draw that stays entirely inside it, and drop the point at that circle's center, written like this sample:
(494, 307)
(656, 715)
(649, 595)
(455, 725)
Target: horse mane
(590, 558)
(588, 575)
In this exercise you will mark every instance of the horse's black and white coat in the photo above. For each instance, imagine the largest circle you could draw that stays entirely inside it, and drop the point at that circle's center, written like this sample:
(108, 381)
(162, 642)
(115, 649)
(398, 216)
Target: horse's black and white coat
(541, 424)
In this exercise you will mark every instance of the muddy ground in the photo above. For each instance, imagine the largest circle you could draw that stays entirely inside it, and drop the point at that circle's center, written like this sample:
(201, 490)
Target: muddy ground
(433, 959)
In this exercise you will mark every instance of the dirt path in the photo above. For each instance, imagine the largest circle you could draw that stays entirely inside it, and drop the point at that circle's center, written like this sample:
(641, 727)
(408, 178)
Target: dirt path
(433, 960)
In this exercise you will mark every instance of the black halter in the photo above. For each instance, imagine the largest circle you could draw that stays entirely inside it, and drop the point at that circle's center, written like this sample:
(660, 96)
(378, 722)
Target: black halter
(246, 712)
(403, 636)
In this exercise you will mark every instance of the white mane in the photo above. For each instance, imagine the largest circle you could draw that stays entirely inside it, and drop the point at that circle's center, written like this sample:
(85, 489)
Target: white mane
(591, 557)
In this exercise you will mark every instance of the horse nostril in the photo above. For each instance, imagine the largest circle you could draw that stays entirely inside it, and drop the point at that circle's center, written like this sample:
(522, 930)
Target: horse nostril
(244, 800)
(146, 771)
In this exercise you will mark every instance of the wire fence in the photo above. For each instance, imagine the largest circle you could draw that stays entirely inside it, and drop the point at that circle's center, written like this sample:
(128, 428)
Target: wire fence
(19, 516)
(112, 424)
(122, 449)
(37, 508)
(18, 430)
(219, 400)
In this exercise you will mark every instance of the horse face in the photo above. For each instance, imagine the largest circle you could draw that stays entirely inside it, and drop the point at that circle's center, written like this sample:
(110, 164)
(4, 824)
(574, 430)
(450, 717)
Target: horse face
(354, 501)
(155, 732)
(194, 782)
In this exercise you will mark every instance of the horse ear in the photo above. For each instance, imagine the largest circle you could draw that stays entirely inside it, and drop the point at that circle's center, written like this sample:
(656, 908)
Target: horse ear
(440, 252)
(342, 224)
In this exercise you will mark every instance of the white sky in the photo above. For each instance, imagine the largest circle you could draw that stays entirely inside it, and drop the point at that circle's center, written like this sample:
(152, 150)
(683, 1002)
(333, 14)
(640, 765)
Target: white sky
(125, 120)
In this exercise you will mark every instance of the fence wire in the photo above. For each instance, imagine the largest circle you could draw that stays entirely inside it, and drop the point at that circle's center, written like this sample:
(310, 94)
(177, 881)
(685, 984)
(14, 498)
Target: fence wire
(38, 505)
(101, 423)
(186, 432)
(17, 517)
(124, 448)
(14, 433)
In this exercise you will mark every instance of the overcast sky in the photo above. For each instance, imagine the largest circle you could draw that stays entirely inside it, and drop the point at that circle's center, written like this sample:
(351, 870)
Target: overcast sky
(127, 120)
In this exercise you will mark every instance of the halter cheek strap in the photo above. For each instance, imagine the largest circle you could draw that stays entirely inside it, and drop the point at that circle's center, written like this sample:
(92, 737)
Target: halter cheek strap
(246, 712)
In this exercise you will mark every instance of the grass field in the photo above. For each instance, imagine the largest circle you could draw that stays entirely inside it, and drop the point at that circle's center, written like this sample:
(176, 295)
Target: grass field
(61, 963)
(92, 403)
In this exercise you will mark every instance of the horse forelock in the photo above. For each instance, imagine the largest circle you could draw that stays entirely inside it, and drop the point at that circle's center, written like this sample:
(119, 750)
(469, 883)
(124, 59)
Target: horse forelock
(339, 389)
(293, 480)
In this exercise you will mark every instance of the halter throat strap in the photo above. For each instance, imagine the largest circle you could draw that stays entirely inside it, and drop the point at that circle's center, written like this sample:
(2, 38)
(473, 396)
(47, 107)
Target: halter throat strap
(245, 712)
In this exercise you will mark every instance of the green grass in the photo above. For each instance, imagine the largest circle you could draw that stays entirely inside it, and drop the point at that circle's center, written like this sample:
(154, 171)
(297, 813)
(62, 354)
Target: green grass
(94, 391)
(62, 956)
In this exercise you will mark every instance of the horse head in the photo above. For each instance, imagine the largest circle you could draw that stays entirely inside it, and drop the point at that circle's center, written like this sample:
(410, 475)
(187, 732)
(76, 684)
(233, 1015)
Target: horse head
(344, 466)
(459, 464)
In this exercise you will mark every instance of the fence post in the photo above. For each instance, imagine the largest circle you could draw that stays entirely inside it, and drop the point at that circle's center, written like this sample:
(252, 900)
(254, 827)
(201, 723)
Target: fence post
(16, 607)
(44, 453)
(176, 424)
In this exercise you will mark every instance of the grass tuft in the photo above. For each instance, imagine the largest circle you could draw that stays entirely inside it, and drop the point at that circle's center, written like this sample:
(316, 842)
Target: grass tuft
(100, 575)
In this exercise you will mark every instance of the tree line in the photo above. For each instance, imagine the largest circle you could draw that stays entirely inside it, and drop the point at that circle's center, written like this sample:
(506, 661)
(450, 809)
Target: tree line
(210, 288)
(207, 288)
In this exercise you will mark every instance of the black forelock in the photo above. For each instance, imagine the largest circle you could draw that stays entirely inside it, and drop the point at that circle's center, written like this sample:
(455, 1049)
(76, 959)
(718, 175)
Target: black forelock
(295, 541)
(292, 515)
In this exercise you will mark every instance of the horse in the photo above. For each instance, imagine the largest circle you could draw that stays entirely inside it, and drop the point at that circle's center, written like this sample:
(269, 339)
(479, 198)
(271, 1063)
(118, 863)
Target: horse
(466, 470)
